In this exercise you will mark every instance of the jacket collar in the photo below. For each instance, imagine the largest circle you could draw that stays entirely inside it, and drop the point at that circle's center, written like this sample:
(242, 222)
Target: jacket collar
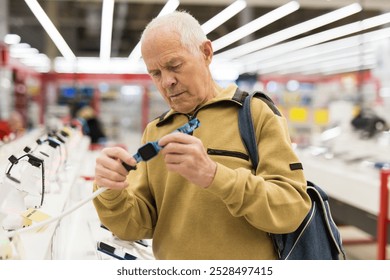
(228, 94)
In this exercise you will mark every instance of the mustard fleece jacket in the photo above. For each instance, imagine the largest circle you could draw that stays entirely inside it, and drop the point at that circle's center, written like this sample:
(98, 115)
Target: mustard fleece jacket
(231, 218)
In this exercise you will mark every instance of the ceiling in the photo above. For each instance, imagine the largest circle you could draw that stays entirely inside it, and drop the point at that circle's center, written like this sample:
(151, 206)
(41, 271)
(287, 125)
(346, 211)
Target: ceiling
(79, 22)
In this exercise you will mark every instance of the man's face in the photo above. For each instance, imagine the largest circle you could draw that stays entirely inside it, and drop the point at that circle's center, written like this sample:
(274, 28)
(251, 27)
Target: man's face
(182, 77)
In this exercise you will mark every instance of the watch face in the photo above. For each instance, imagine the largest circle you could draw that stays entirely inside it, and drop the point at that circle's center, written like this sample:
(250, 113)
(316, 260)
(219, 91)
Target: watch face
(147, 151)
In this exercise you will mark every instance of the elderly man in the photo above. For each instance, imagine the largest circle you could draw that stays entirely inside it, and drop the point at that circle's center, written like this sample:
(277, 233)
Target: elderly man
(198, 198)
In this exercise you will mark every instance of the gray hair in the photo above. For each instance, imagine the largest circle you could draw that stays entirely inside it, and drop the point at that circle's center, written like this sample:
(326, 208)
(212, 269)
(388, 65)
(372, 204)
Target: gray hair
(191, 33)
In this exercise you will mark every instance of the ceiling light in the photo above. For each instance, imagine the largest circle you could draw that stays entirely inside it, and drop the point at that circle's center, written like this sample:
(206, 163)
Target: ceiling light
(20, 46)
(96, 65)
(23, 52)
(318, 50)
(319, 60)
(343, 69)
(223, 16)
(169, 7)
(255, 25)
(317, 38)
(51, 30)
(40, 62)
(11, 39)
(290, 32)
(329, 66)
(375, 21)
(106, 29)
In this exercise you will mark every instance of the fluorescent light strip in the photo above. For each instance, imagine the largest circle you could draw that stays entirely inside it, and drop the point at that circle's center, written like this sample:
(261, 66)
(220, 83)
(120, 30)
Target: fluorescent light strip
(341, 69)
(255, 25)
(51, 30)
(328, 72)
(38, 61)
(348, 61)
(25, 52)
(11, 39)
(20, 46)
(289, 59)
(353, 52)
(315, 39)
(96, 65)
(290, 32)
(135, 55)
(330, 65)
(325, 48)
(311, 54)
(283, 58)
(223, 16)
(347, 70)
(169, 7)
(375, 21)
(106, 29)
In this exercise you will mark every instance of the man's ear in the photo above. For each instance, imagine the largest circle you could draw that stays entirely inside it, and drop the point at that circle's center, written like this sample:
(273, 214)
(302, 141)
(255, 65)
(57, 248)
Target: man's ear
(207, 50)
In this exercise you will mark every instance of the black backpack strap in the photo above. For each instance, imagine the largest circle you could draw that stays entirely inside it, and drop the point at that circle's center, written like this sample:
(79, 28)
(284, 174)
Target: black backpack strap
(268, 101)
(245, 122)
(240, 96)
(247, 131)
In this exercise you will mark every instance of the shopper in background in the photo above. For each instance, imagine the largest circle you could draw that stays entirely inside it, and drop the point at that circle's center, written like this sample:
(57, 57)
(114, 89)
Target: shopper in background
(198, 198)
(91, 125)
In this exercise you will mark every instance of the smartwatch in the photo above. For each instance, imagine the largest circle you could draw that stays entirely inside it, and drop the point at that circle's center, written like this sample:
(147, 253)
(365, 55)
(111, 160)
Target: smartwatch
(147, 151)
(151, 149)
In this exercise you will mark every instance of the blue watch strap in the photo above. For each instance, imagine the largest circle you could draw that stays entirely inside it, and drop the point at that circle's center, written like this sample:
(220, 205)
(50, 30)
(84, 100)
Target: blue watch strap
(151, 149)
(189, 127)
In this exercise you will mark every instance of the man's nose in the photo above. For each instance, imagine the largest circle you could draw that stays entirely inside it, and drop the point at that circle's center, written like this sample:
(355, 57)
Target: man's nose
(168, 80)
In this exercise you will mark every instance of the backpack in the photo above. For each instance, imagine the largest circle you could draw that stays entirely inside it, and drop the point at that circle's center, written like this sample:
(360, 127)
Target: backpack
(317, 238)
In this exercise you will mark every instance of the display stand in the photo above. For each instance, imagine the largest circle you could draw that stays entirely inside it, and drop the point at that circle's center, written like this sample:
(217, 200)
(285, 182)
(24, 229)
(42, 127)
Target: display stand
(38, 244)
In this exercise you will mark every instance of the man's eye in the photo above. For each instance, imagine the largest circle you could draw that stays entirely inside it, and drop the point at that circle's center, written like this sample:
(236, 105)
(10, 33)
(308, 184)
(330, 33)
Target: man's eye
(155, 74)
(175, 67)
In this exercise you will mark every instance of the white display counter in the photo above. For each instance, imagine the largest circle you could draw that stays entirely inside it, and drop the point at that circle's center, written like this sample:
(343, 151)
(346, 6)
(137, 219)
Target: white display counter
(346, 172)
(75, 235)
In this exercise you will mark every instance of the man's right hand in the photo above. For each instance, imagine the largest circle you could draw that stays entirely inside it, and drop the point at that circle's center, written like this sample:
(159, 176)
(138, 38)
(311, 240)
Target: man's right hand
(109, 169)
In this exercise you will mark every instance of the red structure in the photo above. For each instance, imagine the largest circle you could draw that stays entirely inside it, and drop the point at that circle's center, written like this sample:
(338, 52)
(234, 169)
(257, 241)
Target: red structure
(383, 217)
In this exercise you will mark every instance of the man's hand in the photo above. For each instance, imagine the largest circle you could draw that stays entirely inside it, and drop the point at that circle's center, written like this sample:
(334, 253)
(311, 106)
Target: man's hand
(186, 155)
(109, 170)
